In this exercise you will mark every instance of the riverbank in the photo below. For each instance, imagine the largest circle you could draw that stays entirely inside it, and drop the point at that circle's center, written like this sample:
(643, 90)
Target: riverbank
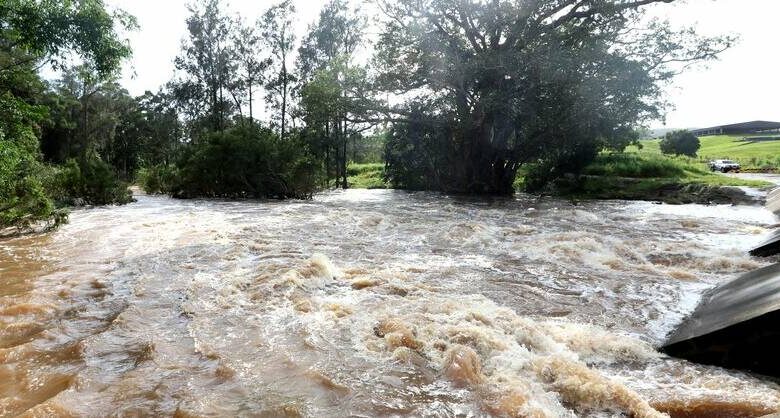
(628, 176)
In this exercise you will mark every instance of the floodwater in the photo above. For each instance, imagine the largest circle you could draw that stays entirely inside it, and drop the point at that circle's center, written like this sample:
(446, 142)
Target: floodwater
(371, 303)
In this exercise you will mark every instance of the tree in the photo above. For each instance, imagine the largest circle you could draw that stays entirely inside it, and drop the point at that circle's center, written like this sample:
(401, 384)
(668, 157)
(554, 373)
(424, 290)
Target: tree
(681, 142)
(247, 46)
(334, 89)
(160, 128)
(48, 31)
(544, 83)
(207, 66)
(34, 33)
(84, 116)
(277, 31)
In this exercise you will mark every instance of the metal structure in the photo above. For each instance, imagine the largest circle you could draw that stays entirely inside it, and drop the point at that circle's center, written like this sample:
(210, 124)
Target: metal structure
(737, 324)
(757, 126)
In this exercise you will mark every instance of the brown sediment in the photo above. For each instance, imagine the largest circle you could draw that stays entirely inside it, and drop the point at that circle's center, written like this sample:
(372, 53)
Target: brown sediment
(362, 283)
(474, 337)
(301, 303)
(712, 409)
(338, 309)
(326, 382)
(38, 391)
(48, 409)
(18, 333)
(586, 389)
(396, 334)
(21, 309)
(511, 404)
(462, 367)
(682, 275)
(224, 372)
(180, 413)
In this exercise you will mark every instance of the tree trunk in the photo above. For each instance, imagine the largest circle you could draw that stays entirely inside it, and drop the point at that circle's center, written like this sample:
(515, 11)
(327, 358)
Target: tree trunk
(284, 96)
(344, 184)
(251, 115)
(327, 154)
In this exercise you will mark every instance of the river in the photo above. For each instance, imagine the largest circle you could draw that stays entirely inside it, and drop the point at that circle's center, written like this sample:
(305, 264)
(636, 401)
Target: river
(371, 303)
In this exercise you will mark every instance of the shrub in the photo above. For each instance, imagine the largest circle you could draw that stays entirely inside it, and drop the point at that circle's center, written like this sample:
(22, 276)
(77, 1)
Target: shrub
(680, 142)
(245, 162)
(157, 179)
(93, 181)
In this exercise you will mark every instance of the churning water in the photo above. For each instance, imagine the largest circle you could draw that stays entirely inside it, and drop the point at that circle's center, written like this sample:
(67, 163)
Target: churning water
(371, 303)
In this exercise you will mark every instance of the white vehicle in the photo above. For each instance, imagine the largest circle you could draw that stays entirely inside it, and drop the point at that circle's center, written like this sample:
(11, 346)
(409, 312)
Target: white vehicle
(724, 166)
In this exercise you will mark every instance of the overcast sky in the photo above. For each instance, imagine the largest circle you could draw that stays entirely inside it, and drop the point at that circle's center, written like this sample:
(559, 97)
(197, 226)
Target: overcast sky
(743, 85)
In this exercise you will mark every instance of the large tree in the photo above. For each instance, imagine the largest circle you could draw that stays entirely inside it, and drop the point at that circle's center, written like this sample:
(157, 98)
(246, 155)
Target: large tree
(278, 34)
(247, 47)
(34, 33)
(333, 87)
(206, 67)
(495, 84)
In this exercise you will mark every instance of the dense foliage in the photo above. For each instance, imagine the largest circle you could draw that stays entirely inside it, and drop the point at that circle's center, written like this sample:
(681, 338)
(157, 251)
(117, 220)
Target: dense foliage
(458, 97)
(33, 33)
(680, 142)
(242, 162)
(503, 84)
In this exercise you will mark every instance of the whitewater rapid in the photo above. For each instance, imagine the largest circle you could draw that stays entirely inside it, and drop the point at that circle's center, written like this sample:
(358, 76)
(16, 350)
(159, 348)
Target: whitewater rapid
(371, 303)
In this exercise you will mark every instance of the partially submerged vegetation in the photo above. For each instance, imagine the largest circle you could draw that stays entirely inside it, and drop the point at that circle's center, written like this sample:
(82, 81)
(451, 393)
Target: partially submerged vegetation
(628, 176)
(367, 176)
(633, 176)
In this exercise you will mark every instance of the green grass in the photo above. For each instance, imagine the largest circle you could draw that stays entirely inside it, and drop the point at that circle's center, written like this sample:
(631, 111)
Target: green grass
(662, 168)
(759, 155)
(653, 176)
(366, 176)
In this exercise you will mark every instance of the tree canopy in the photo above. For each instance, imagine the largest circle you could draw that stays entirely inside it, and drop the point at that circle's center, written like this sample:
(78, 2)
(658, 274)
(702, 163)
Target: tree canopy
(681, 142)
(33, 34)
(546, 83)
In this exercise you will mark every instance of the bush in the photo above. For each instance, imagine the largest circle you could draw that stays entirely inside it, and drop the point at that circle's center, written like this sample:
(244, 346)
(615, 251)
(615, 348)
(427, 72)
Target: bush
(92, 181)
(157, 179)
(244, 162)
(680, 142)
(367, 176)
(638, 166)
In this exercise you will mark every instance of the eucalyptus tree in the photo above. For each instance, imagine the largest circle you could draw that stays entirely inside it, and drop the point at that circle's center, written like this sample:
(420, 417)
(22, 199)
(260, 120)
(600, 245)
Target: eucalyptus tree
(493, 85)
(278, 34)
(330, 78)
(207, 67)
(50, 31)
(247, 48)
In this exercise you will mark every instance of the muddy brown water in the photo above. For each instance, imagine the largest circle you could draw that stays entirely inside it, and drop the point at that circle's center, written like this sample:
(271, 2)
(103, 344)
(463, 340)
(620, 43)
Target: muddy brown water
(371, 303)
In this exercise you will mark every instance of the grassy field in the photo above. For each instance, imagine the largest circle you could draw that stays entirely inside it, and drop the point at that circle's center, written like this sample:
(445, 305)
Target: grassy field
(366, 176)
(653, 176)
(752, 155)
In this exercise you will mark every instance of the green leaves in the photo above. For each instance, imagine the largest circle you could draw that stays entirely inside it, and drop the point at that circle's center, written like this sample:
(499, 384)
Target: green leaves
(33, 32)
(681, 142)
(548, 83)
(50, 29)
